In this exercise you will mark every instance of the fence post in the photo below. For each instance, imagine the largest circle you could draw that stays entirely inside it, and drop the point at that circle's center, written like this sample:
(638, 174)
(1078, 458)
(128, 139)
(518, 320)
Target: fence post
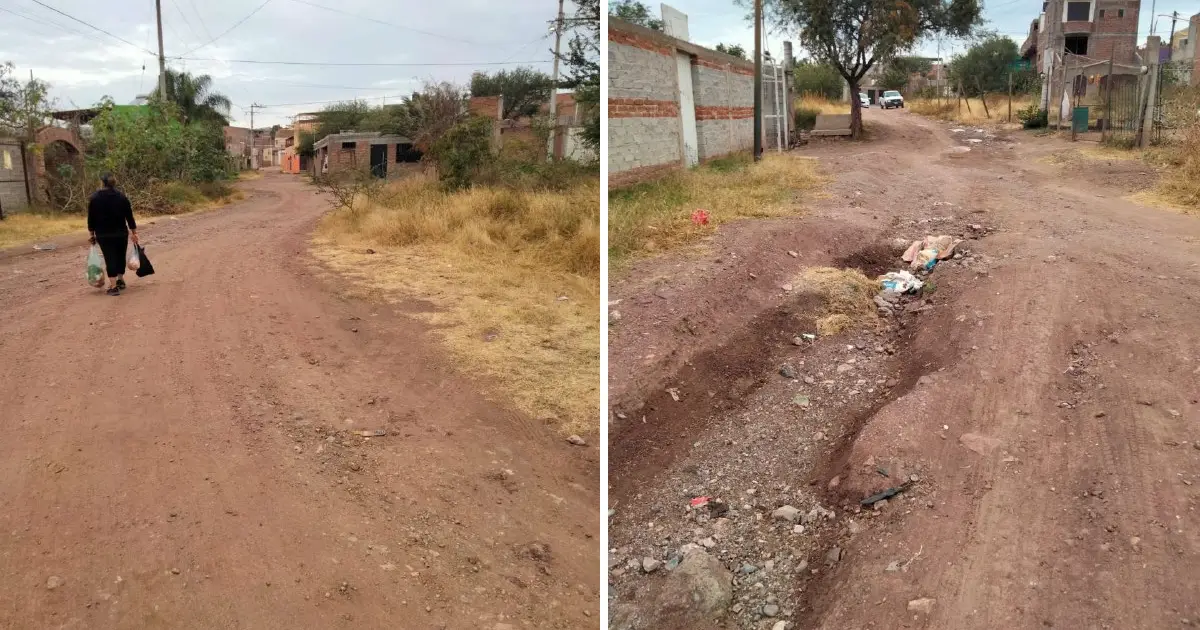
(1146, 101)
(1010, 96)
(1107, 102)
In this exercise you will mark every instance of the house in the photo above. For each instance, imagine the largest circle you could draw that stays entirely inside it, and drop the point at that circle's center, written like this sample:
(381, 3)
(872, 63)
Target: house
(387, 156)
(564, 144)
(1085, 36)
(237, 144)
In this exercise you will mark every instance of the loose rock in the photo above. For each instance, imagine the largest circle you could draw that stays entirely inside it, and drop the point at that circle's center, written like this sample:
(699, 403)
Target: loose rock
(650, 565)
(787, 371)
(786, 513)
(770, 610)
(53, 582)
(577, 441)
(923, 605)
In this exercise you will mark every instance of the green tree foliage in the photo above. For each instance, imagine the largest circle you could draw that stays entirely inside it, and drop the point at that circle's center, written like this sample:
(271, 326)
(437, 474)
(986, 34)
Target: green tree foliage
(196, 99)
(24, 105)
(524, 90)
(986, 65)
(854, 35)
(898, 71)
(423, 116)
(635, 12)
(732, 49)
(463, 151)
(582, 68)
(811, 77)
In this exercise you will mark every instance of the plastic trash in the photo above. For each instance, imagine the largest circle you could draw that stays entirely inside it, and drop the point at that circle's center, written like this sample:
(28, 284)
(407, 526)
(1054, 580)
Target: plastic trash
(926, 259)
(135, 260)
(145, 268)
(95, 267)
(900, 282)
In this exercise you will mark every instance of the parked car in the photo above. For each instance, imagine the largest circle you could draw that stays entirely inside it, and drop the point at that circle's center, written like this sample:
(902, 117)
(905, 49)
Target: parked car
(890, 99)
(863, 100)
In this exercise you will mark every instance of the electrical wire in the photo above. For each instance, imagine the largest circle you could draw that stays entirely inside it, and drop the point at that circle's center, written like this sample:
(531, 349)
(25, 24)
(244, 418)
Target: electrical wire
(201, 18)
(186, 21)
(226, 31)
(363, 63)
(94, 28)
(399, 26)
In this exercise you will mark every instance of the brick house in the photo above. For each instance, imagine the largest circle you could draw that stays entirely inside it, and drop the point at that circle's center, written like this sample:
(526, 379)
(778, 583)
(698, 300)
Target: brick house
(386, 156)
(1085, 36)
(566, 143)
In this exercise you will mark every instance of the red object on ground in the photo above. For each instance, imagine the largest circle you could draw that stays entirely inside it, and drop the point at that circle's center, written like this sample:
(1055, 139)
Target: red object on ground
(700, 217)
(699, 502)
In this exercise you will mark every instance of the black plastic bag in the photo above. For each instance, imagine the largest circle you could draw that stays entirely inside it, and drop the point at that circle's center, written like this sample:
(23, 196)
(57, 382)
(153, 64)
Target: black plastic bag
(145, 268)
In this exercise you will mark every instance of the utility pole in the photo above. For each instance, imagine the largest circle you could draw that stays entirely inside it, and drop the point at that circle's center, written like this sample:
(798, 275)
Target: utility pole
(558, 29)
(758, 80)
(162, 58)
(253, 157)
(1171, 37)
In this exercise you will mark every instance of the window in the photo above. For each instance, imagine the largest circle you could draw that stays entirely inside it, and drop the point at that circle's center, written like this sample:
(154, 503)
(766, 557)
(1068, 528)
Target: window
(1100, 13)
(1044, 5)
(1120, 13)
(1077, 44)
(1079, 11)
(406, 153)
(349, 146)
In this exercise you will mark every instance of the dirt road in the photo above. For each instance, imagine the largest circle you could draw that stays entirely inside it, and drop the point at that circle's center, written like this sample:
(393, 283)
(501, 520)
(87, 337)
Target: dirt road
(185, 456)
(1046, 400)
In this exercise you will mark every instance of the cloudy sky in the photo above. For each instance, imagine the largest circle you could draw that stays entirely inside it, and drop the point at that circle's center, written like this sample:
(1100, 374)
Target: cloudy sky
(442, 40)
(715, 21)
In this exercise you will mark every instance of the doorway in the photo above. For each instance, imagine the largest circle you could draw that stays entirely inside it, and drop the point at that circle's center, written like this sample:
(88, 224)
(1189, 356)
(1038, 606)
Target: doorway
(379, 160)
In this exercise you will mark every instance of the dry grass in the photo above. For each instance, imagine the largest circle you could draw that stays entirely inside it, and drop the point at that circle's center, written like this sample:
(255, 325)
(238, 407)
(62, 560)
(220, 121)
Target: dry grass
(515, 277)
(847, 294)
(28, 227)
(1080, 155)
(821, 104)
(970, 111)
(656, 216)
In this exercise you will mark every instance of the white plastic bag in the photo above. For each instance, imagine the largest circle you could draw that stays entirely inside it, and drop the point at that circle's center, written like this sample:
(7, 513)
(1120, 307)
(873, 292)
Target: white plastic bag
(95, 267)
(135, 261)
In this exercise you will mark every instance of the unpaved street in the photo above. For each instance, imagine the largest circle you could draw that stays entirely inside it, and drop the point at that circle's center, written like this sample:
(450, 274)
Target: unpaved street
(186, 456)
(1043, 402)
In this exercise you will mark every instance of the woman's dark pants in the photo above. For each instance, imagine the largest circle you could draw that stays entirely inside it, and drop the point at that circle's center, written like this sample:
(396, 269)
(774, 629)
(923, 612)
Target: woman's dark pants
(114, 248)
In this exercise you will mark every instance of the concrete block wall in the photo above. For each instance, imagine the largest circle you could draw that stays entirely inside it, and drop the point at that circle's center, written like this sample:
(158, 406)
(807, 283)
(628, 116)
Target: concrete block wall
(645, 125)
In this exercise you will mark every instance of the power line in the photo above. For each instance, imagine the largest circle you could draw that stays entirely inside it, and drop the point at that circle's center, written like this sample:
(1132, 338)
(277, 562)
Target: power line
(94, 28)
(399, 26)
(226, 31)
(364, 64)
(201, 18)
(186, 21)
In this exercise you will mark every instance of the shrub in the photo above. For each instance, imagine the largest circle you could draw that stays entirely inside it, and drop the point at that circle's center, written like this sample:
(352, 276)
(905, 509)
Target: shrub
(1033, 117)
(806, 118)
(463, 151)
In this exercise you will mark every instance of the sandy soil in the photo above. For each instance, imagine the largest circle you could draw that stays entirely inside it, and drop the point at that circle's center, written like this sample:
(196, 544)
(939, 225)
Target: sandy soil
(1046, 400)
(186, 455)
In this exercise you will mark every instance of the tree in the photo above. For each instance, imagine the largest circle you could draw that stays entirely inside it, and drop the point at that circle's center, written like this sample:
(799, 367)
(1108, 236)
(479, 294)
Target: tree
(343, 116)
(854, 35)
(735, 50)
(24, 106)
(524, 90)
(582, 61)
(196, 99)
(810, 77)
(635, 12)
(986, 65)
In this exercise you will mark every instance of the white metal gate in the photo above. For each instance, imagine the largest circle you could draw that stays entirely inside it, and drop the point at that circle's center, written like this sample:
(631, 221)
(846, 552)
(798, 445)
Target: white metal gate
(774, 111)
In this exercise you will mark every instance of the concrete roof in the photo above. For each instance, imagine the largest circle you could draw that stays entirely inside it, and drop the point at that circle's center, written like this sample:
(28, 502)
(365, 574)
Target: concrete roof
(373, 137)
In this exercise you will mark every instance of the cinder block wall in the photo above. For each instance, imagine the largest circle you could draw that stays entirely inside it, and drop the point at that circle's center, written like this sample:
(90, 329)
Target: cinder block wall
(1113, 35)
(645, 126)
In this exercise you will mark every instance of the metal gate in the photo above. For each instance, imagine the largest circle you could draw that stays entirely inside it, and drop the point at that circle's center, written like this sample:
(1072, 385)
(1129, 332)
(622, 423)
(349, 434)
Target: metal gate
(14, 189)
(775, 120)
(1175, 101)
(1122, 114)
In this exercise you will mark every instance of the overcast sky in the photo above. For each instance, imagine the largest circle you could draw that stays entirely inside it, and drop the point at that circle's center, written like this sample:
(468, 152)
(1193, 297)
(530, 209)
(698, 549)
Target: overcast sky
(84, 65)
(720, 21)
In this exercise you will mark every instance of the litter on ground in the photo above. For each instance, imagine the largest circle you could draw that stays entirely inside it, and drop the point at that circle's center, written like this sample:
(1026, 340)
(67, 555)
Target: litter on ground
(900, 282)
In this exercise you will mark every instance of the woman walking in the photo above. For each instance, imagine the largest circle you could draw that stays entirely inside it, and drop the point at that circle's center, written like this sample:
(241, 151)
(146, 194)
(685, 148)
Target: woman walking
(111, 224)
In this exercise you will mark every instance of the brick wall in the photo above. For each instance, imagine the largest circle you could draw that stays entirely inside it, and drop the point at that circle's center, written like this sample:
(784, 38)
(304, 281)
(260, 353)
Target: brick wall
(645, 125)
